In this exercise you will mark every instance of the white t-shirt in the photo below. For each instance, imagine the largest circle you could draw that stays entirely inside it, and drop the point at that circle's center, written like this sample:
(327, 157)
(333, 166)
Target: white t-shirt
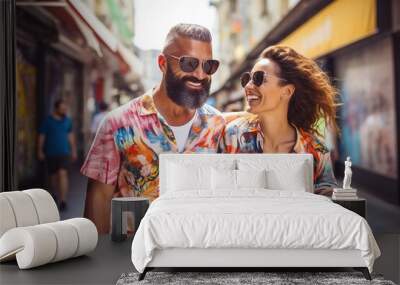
(181, 133)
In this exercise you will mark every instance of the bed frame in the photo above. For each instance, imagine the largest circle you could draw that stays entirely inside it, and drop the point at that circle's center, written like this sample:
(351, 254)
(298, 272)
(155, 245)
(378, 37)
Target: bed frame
(246, 258)
(242, 259)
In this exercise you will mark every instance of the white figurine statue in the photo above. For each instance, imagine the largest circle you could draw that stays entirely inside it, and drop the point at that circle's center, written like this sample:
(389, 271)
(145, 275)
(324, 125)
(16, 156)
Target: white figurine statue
(347, 174)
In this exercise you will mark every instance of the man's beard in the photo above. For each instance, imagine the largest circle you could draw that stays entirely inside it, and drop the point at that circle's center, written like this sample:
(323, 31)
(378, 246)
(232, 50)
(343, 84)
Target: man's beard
(181, 95)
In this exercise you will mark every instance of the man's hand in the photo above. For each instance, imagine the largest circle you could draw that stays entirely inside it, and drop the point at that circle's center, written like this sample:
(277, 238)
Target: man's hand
(98, 204)
(71, 139)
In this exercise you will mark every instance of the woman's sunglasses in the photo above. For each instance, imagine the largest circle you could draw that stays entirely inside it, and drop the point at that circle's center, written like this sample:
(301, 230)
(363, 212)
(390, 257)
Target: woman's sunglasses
(258, 78)
(189, 64)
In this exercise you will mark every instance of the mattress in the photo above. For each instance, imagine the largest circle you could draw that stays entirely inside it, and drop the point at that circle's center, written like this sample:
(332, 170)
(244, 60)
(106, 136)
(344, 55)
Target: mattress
(250, 219)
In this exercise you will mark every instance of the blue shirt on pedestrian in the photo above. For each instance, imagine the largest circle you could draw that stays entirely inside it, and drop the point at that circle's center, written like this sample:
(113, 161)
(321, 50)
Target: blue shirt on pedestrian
(56, 133)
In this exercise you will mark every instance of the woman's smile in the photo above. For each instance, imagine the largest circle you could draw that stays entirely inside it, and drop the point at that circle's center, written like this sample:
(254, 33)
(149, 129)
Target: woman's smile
(252, 98)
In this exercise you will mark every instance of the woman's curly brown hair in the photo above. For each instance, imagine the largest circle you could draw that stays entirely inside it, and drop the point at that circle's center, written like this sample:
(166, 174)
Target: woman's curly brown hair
(314, 96)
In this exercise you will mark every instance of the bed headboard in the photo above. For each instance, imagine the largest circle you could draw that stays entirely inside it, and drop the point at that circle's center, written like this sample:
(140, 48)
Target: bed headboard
(232, 161)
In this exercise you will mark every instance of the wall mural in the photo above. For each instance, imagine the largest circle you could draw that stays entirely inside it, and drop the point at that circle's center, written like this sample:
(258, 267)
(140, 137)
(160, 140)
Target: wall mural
(368, 113)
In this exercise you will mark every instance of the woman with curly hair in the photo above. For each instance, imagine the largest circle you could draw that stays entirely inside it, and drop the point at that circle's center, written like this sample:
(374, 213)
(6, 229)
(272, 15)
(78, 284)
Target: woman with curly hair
(287, 95)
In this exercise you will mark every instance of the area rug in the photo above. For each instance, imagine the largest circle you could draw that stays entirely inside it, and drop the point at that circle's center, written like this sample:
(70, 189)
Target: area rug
(229, 278)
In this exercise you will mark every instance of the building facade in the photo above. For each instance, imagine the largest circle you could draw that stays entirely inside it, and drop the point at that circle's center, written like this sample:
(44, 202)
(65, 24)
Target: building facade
(242, 24)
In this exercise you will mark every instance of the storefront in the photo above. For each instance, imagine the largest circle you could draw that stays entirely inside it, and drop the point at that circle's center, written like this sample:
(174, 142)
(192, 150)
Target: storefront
(43, 74)
(62, 51)
(368, 114)
(51, 50)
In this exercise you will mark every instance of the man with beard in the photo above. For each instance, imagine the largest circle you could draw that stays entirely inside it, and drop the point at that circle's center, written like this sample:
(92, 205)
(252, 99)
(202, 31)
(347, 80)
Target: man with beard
(56, 145)
(171, 118)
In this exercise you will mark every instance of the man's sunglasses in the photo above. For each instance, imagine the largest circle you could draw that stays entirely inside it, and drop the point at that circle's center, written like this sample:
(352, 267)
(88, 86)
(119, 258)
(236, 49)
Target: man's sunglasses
(258, 78)
(189, 64)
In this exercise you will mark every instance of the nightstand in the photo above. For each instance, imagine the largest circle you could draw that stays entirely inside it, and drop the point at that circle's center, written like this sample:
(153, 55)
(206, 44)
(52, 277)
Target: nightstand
(357, 205)
(121, 209)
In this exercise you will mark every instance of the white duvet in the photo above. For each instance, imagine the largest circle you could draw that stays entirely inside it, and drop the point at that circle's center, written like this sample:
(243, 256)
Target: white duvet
(251, 218)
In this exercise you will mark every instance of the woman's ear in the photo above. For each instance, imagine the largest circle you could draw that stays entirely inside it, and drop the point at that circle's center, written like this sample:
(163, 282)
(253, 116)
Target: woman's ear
(289, 91)
(162, 63)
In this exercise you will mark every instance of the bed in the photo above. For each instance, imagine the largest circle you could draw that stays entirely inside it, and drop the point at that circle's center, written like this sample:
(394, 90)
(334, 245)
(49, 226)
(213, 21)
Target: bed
(246, 211)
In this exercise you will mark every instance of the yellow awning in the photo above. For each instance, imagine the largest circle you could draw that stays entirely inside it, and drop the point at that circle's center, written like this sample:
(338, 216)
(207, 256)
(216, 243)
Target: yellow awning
(339, 24)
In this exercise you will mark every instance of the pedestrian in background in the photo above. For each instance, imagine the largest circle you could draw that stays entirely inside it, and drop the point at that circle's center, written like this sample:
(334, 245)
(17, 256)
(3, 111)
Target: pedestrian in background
(103, 109)
(57, 147)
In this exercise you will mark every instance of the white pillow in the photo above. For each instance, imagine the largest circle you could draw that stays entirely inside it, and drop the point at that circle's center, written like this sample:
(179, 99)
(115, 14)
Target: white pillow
(228, 179)
(251, 178)
(291, 179)
(223, 179)
(184, 177)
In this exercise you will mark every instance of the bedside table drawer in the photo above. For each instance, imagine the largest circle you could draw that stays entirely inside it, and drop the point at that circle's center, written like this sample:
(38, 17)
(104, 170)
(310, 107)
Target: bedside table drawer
(357, 206)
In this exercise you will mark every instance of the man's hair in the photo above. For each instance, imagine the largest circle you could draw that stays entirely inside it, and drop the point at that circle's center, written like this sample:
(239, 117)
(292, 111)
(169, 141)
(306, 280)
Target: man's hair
(58, 102)
(191, 31)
